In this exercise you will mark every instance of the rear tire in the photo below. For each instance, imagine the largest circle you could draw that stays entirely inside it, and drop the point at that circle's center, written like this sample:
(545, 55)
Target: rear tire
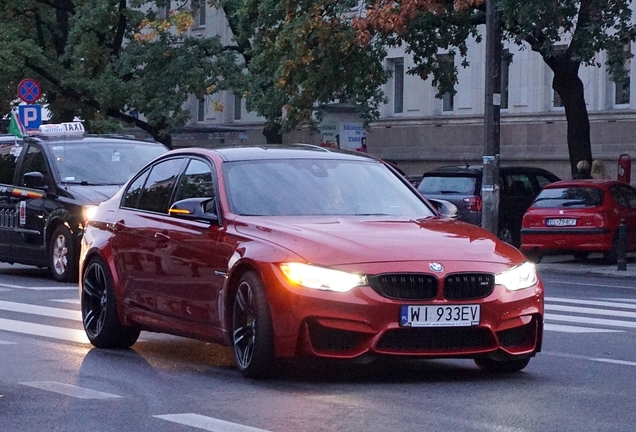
(506, 234)
(99, 309)
(511, 365)
(252, 332)
(63, 256)
(534, 257)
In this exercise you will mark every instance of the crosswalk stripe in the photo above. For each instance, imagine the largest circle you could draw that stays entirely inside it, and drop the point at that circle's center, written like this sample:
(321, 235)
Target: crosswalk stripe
(207, 423)
(41, 310)
(62, 333)
(617, 303)
(71, 301)
(43, 288)
(587, 320)
(592, 311)
(70, 390)
(576, 329)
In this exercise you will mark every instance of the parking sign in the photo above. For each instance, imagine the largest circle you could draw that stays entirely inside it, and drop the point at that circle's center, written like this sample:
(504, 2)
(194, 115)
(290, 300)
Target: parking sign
(30, 116)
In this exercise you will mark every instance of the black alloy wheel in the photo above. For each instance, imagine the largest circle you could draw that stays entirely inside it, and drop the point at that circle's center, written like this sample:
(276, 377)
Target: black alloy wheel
(63, 257)
(252, 334)
(99, 309)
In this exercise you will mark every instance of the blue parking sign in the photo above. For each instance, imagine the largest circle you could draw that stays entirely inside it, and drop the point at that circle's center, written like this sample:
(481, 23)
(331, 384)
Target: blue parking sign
(30, 116)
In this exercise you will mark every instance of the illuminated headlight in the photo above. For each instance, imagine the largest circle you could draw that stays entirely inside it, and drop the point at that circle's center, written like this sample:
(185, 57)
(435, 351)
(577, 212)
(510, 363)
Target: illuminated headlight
(88, 212)
(519, 277)
(321, 278)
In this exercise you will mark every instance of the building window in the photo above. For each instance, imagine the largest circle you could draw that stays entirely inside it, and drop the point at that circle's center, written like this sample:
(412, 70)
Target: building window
(237, 107)
(201, 110)
(622, 86)
(448, 98)
(164, 10)
(201, 16)
(505, 72)
(398, 85)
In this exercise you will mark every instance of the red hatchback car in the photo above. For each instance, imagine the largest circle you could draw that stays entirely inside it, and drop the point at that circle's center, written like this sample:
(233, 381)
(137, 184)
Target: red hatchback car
(579, 217)
(283, 252)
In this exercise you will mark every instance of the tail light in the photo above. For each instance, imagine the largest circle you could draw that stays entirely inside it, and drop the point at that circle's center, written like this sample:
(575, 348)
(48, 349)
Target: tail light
(472, 203)
(531, 220)
(598, 220)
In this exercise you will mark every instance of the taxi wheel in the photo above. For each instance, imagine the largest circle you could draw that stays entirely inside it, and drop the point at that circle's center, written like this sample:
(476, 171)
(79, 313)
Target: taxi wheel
(99, 309)
(488, 364)
(63, 255)
(252, 334)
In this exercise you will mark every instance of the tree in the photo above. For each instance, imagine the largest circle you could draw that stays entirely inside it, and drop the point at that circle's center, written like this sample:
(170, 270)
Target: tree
(300, 56)
(107, 60)
(566, 33)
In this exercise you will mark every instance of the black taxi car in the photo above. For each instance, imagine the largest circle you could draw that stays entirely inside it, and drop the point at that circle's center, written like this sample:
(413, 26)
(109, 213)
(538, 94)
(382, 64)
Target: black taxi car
(49, 181)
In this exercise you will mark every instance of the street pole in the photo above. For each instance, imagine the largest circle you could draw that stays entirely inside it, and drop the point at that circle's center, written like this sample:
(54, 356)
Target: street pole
(490, 182)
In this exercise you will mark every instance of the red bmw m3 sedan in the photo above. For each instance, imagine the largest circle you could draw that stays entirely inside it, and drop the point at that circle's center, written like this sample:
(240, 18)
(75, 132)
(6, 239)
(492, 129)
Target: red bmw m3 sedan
(292, 251)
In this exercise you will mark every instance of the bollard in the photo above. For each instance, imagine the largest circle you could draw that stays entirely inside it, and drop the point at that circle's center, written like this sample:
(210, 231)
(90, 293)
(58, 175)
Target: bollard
(622, 241)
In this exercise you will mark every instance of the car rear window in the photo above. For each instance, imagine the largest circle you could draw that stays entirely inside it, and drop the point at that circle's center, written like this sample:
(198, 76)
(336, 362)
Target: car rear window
(569, 197)
(447, 185)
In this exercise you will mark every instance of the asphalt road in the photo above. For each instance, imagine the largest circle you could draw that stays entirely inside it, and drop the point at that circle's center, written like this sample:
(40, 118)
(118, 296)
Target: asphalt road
(52, 380)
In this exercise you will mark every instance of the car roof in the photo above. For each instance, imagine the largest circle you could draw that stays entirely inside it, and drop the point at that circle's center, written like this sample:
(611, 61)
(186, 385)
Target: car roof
(476, 170)
(278, 151)
(89, 138)
(601, 183)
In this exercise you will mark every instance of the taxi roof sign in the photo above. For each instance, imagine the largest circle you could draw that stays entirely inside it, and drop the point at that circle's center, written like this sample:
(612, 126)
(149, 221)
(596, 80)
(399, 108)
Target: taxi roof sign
(62, 129)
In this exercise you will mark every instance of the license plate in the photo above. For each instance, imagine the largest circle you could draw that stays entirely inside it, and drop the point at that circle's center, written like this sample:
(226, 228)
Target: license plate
(439, 316)
(560, 222)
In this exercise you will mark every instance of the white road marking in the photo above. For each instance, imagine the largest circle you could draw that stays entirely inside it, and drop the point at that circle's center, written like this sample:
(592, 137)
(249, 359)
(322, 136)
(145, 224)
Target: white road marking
(588, 284)
(586, 320)
(207, 423)
(575, 329)
(71, 301)
(62, 333)
(43, 288)
(7, 343)
(70, 390)
(595, 359)
(41, 310)
(591, 311)
(616, 303)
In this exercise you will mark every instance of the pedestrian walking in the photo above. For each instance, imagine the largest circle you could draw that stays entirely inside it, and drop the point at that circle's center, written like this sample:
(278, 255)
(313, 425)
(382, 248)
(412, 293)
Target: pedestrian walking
(598, 170)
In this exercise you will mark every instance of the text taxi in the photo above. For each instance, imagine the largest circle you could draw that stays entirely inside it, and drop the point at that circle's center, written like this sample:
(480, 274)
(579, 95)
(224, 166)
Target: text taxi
(47, 183)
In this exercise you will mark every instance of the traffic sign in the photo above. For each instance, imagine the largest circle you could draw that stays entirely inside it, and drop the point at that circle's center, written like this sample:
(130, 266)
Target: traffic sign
(30, 116)
(29, 90)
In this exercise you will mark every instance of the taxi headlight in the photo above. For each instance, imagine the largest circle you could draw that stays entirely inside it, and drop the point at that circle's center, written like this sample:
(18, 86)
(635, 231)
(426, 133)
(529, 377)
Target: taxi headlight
(519, 277)
(310, 276)
(88, 212)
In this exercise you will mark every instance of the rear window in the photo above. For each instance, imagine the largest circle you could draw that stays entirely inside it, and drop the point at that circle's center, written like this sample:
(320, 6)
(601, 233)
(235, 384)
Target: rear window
(448, 185)
(576, 197)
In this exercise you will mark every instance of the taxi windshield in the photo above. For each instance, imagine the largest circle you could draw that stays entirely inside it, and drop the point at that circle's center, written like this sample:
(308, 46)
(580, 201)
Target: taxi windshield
(98, 162)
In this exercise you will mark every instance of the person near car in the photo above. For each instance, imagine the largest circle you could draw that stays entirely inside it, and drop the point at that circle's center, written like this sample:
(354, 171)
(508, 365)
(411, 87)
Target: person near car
(582, 170)
(598, 170)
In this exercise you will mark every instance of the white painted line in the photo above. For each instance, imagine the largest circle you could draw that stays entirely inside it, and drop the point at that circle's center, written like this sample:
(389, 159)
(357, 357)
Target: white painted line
(7, 343)
(41, 310)
(207, 423)
(592, 311)
(586, 320)
(616, 304)
(43, 288)
(71, 301)
(594, 359)
(70, 390)
(574, 329)
(624, 300)
(62, 333)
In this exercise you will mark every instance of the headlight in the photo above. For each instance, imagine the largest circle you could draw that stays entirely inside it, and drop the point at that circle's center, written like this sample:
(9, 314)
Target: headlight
(321, 278)
(88, 212)
(519, 277)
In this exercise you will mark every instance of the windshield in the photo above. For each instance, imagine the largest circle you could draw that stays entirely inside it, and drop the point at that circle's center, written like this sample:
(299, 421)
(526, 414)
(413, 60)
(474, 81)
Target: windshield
(569, 197)
(102, 162)
(447, 185)
(319, 187)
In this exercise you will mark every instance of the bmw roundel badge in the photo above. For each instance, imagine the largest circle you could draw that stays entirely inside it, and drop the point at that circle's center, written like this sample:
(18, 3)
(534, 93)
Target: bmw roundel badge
(436, 267)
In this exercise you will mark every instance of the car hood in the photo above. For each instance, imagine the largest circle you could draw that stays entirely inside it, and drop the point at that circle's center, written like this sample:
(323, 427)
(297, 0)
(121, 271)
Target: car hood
(333, 241)
(91, 194)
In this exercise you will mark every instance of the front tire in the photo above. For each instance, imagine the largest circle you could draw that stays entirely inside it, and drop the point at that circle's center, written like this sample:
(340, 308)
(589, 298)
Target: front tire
(510, 365)
(63, 256)
(99, 309)
(252, 333)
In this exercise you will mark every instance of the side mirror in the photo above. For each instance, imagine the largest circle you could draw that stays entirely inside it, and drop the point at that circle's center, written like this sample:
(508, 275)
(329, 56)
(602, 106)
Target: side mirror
(34, 180)
(445, 208)
(202, 209)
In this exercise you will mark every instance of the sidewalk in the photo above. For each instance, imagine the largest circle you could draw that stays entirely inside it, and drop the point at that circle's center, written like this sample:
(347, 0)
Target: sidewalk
(594, 265)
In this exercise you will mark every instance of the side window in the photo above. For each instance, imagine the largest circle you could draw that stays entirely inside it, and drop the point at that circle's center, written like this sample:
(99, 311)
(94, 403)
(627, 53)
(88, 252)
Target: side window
(35, 161)
(157, 191)
(8, 158)
(133, 193)
(542, 181)
(624, 196)
(197, 182)
(519, 185)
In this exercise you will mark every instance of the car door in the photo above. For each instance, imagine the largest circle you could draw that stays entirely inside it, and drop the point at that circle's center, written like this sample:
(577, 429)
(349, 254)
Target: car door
(625, 196)
(9, 204)
(516, 196)
(140, 241)
(192, 287)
